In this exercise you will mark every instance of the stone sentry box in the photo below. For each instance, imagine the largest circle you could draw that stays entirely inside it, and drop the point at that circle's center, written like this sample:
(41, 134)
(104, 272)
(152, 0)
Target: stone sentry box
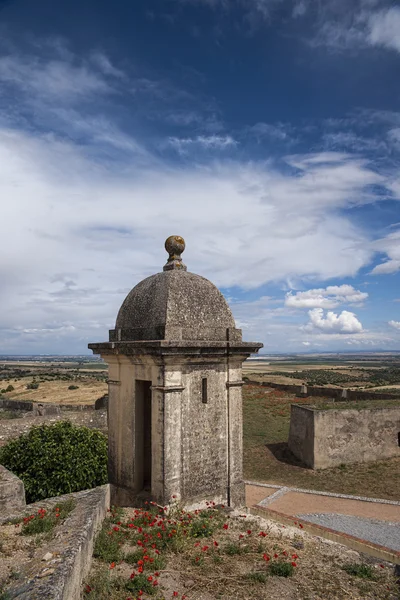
(175, 391)
(328, 438)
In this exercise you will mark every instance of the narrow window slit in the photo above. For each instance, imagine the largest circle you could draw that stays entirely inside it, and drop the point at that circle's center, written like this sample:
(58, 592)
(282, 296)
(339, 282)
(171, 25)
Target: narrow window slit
(204, 398)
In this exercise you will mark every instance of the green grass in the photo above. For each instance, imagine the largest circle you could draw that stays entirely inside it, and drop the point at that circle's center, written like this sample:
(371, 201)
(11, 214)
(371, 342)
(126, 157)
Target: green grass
(45, 521)
(281, 569)
(266, 419)
(257, 577)
(233, 549)
(362, 571)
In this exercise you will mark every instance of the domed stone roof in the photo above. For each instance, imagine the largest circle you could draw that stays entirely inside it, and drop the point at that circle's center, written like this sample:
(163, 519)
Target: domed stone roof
(174, 305)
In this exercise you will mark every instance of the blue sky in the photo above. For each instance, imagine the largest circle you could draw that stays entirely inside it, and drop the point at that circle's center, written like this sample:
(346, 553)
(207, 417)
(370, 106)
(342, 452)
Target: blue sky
(265, 132)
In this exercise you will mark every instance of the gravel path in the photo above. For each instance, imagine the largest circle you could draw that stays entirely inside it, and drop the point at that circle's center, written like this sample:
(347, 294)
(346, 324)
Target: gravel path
(383, 533)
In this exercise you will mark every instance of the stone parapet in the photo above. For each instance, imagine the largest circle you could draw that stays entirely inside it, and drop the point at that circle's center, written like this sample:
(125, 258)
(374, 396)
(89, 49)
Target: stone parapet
(12, 492)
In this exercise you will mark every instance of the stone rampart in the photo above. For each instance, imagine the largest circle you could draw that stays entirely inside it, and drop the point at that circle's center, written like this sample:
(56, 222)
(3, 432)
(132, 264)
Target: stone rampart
(328, 438)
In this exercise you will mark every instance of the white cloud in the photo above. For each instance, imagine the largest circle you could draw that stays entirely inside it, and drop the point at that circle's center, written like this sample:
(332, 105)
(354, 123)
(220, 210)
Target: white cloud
(211, 142)
(96, 213)
(384, 28)
(105, 64)
(345, 322)
(329, 297)
(306, 343)
(54, 79)
(390, 245)
(395, 324)
(277, 131)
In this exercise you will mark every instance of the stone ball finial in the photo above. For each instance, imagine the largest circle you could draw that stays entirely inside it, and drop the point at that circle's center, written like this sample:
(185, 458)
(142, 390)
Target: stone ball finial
(175, 245)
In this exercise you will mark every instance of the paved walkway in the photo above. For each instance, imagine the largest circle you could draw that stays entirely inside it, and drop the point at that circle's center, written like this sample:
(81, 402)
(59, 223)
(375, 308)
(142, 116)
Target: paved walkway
(365, 524)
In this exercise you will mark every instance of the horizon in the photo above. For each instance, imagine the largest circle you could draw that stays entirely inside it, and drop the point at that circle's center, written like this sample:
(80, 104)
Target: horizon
(265, 132)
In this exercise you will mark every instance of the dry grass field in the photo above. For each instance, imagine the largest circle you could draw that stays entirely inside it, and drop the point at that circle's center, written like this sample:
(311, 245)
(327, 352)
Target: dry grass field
(57, 392)
(58, 382)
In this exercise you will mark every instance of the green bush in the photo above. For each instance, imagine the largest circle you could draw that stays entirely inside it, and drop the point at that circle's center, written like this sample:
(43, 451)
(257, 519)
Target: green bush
(32, 386)
(281, 569)
(73, 387)
(10, 388)
(359, 570)
(57, 459)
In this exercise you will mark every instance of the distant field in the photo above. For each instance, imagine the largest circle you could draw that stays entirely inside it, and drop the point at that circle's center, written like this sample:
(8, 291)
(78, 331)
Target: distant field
(340, 373)
(266, 419)
(57, 391)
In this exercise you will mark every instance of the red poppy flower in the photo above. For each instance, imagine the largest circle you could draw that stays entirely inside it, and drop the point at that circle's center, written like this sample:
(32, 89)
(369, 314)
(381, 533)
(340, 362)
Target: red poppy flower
(266, 557)
(175, 594)
(294, 564)
(249, 532)
(225, 526)
(215, 543)
(112, 565)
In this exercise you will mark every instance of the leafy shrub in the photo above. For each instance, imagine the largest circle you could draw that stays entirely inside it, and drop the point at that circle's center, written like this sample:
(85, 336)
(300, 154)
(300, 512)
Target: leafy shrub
(363, 571)
(32, 386)
(73, 387)
(257, 577)
(233, 548)
(281, 569)
(57, 459)
(10, 388)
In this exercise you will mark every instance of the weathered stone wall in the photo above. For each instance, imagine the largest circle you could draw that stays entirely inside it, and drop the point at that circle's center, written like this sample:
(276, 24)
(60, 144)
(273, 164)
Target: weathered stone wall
(196, 445)
(325, 392)
(47, 408)
(72, 547)
(12, 492)
(301, 433)
(327, 438)
(204, 432)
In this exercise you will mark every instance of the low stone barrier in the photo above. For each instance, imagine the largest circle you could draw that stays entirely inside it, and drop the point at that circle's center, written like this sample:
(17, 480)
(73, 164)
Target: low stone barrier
(328, 438)
(328, 392)
(47, 408)
(12, 492)
(73, 546)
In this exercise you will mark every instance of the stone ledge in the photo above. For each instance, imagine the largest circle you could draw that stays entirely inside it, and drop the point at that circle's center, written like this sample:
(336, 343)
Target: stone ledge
(73, 544)
(12, 492)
